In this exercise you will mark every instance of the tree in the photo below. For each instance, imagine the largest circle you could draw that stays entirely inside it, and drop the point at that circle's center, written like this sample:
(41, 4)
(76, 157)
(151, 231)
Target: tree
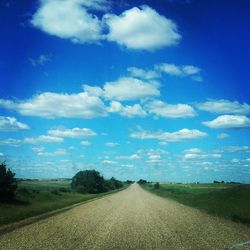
(89, 181)
(8, 183)
(113, 184)
(141, 181)
(157, 185)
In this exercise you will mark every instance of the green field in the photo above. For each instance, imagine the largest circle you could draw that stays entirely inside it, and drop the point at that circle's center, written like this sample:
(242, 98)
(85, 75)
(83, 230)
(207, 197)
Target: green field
(227, 200)
(37, 197)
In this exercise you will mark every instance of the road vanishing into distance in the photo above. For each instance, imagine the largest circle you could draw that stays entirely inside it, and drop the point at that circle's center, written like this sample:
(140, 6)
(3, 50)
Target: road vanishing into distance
(130, 219)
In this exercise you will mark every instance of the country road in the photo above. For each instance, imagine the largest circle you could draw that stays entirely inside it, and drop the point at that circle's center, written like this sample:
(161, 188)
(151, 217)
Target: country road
(130, 219)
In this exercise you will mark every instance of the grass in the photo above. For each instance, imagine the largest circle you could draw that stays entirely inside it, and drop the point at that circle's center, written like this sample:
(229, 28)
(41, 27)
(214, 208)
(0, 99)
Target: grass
(230, 201)
(38, 197)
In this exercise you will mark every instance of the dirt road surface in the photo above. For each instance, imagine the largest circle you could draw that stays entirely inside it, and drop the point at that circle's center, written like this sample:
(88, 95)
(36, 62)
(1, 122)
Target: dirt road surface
(130, 219)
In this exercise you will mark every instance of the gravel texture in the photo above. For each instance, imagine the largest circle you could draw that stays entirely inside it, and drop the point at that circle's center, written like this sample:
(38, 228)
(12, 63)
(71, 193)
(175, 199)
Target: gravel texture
(130, 219)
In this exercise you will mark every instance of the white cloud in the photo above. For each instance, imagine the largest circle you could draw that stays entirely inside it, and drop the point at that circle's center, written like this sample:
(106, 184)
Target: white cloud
(129, 157)
(109, 162)
(233, 149)
(72, 133)
(85, 143)
(193, 151)
(40, 60)
(166, 110)
(142, 28)
(170, 69)
(228, 121)
(129, 88)
(128, 111)
(41, 152)
(93, 90)
(11, 124)
(112, 144)
(69, 19)
(127, 165)
(54, 105)
(143, 74)
(154, 159)
(43, 139)
(181, 71)
(235, 160)
(224, 107)
(11, 142)
(190, 70)
(38, 150)
(178, 136)
(223, 136)
(193, 156)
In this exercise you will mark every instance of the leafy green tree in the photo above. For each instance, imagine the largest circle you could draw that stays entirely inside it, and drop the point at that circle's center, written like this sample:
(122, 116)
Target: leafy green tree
(157, 185)
(113, 184)
(89, 181)
(8, 183)
(141, 181)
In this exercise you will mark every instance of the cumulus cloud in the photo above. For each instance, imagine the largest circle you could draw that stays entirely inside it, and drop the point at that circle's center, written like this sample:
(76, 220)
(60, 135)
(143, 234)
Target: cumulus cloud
(11, 124)
(193, 151)
(58, 152)
(166, 110)
(69, 19)
(154, 159)
(93, 90)
(112, 144)
(40, 60)
(128, 111)
(72, 133)
(54, 105)
(85, 143)
(109, 162)
(223, 136)
(142, 28)
(143, 74)
(11, 142)
(181, 71)
(178, 136)
(129, 157)
(233, 149)
(193, 156)
(224, 107)
(136, 28)
(43, 139)
(228, 122)
(129, 88)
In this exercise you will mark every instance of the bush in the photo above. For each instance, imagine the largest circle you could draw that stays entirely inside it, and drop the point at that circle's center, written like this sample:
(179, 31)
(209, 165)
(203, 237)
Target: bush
(64, 190)
(141, 181)
(89, 181)
(55, 192)
(8, 183)
(157, 185)
(113, 184)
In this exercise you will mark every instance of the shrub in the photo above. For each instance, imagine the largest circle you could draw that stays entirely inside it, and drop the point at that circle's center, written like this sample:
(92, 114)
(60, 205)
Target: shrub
(157, 185)
(8, 183)
(64, 190)
(141, 181)
(89, 181)
(55, 192)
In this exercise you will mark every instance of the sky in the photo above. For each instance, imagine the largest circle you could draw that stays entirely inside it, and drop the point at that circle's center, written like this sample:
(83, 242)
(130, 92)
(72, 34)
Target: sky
(158, 90)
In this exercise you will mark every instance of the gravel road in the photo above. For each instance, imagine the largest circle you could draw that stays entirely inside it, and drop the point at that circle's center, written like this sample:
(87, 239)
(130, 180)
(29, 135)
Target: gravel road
(130, 219)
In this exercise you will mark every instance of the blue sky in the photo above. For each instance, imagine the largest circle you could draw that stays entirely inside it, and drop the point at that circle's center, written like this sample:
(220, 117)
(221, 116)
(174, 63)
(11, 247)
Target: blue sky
(135, 89)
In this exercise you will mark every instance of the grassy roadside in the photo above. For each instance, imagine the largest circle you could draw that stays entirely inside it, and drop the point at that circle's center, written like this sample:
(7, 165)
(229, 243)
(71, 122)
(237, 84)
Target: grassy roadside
(225, 200)
(38, 197)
